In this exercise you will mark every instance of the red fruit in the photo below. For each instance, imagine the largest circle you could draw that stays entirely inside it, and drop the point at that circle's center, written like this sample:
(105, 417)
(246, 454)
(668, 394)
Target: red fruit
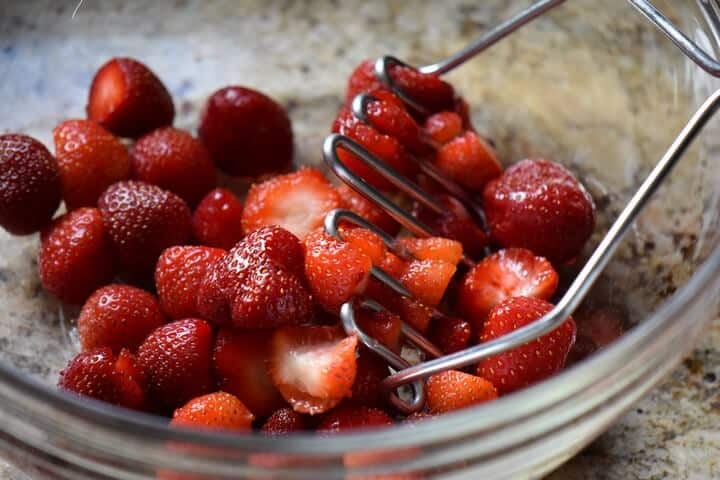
(388, 116)
(384, 326)
(453, 390)
(427, 280)
(178, 275)
(284, 421)
(176, 362)
(29, 184)
(371, 370)
(533, 361)
(450, 334)
(143, 220)
(352, 418)
(132, 381)
(217, 220)
(217, 411)
(513, 272)
(540, 205)
(75, 256)
(429, 90)
(240, 359)
(89, 159)
(313, 367)
(297, 202)
(433, 248)
(443, 127)
(174, 160)
(462, 108)
(128, 99)
(247, 133)
(355, 202)
(601, 327)
(469, 161)
(118, 316)
(335, 270)
(366, 241)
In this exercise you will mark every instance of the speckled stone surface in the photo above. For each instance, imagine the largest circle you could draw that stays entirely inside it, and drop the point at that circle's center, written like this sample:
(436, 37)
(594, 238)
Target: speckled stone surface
(589, 86)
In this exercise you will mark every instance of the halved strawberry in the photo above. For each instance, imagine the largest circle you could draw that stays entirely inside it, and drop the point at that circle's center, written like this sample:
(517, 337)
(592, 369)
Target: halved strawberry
(371, 370)
(469, 161)
(442, 127)
(389, 116)
(529, 363)
(217, 220)
(313, 367)
(283, 421)
(383, 326)
(366, 241)
(450, 334)
(352, 418)
(297, 202)
(427, 280)
(128, 99)
(131, 381)
(355, 202)
(453, 390)
(513, 272)
(433, 248)
(217, 411)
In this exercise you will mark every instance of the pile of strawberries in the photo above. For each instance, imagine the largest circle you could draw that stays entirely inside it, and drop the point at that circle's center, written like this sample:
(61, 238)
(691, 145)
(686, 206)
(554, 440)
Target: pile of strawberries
(223, 313)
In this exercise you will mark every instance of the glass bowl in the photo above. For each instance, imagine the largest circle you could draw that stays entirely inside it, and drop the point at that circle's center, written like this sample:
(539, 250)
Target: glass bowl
(591, 85)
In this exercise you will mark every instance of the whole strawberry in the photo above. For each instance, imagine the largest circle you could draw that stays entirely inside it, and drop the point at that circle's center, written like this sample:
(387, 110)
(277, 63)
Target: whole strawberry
(75, 256)
(351, 418)
(453, 390)
(218, 411)
(283, 421)
(217, 220)
(29, 184)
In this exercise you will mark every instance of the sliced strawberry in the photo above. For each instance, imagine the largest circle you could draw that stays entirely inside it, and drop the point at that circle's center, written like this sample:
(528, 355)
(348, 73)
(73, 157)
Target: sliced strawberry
(128, 99)
(427, 280)
(178, 275)
(75, 256)
(90, 159)
(297, 202)
(313, 367)
(371, 370)
(383, 326)
(366, 241)
(540, 205)
(29, 184)
(393, 265)
(284, 421)
(119, 317)
(442, 127)
(529, 363)
(469, 161)
(450, 334)
(131, 381)
(355, 202)
(513, 272)
(353, 418)
(389, 116)
(217, 411)
(217, 220)
(433, 248)
(453, 390)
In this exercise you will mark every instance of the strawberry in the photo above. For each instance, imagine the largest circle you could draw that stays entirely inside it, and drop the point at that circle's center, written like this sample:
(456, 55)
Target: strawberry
(284, 421)
(132, 381)
(118, 316)
(540, 205)
(450, 334)
(602, 326)
(427, 280)
(462, 108)
(453, 390)
(239, 360)
(432, 248)
(217, 220)
(335, 270)
(313, 367)
(143, 220)
(90, 159)
(355, 202)
(128, 99)
(297, 202)
(384, 326)
(29, 184)
(529, 363)
(176, 161)
(365, 241)
(217, 411)
(388, 116)
(178, 275)
(442, 127)
(513, 272)
(371, 370)
(429, 90)
(75, 256)
(469, 161)
(352, 418)
(247, 133)
(176, 362)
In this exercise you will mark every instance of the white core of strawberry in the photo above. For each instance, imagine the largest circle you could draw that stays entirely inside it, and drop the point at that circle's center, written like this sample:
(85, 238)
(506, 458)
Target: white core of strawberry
(307, 367)
(298, 212)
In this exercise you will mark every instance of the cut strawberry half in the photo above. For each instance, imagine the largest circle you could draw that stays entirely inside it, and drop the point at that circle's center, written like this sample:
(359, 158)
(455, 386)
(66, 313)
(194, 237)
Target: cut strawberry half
(469, 161)
(366, 241)
(453, 390)
(450, 334)
(384, 326)
(433, 248)
(427, 280)
(388, 116)
(443, 127)
(215, 411)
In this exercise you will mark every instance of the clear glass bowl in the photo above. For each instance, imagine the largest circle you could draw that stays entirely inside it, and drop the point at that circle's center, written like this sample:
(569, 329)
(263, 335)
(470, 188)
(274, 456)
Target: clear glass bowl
(591, 85)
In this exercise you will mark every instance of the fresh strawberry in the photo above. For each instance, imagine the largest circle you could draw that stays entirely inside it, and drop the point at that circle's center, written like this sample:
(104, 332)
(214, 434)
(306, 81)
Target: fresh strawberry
(529, 363)
(355, 202)
(90, 159)
(75, 256)
(429, 90)
(513, 272)
(240, 359)
(462, 108)
(313, 367)
(433, 248)
(118, 316)
(178, 275)
(420, 416)
(365, 241)
(128, 99)
(450, 334)
(217, 220)
(540, 205)
(143, 220)
(174, 160)
(217, 411)
(371, 370)
(247, 133)
(352, 418)
(132, 381)
(284, 421)
(453, 390)
(176, 362)
(427, 280)
(413, 312)
(469, 161)
(29, 184)
(392, 265)
(297, 202)
(389, 116)
(442, 127)
(383, 326)
(335, 270)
